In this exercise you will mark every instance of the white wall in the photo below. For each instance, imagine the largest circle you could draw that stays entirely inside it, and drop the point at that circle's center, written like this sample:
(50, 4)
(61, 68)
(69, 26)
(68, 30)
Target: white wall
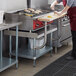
(12, 5)
(38, 3)
(50, 1)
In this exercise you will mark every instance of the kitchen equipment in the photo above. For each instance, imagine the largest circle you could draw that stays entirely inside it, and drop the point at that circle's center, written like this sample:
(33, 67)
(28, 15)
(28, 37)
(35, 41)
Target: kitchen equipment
(35, 52)
(11, 18)
(29, 20)
(63, 34)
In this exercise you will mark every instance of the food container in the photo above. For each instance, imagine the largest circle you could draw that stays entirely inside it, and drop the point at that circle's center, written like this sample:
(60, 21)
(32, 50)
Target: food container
(39, 42)
(1, 16)
(11, 17)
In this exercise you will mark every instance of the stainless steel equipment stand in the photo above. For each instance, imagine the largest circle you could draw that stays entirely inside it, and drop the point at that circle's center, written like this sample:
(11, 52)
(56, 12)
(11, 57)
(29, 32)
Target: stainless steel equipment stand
(4, 61)
(33, 53)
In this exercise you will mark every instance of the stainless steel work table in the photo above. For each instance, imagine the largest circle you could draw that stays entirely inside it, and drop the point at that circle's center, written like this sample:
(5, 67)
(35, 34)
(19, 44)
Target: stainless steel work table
(27, 52)
(4, 61)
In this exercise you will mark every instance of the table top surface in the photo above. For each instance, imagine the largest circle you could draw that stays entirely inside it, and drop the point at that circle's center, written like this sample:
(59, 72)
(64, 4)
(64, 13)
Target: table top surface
(51, 17)
(5, 26)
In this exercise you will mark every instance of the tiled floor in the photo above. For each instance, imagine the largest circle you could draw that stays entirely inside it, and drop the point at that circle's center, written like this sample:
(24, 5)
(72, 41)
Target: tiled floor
(26, 68)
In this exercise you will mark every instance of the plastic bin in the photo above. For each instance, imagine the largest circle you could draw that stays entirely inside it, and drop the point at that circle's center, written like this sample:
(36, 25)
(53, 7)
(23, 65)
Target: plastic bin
(39, 42)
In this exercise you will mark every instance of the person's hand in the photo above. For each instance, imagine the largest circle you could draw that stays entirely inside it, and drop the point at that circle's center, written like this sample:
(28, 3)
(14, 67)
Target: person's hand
(52, 7)
(58, 13)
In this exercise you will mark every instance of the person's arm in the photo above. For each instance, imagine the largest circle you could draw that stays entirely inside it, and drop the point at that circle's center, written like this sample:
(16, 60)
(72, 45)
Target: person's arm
(69, 4)
(53, 4)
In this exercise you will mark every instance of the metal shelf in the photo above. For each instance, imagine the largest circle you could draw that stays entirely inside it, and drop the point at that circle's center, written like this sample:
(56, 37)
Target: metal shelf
(6, 63)
(28, 53)
(33, 34)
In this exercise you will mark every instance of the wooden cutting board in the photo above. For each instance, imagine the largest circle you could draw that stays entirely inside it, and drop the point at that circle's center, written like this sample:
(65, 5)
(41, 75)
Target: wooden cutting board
(50, 17)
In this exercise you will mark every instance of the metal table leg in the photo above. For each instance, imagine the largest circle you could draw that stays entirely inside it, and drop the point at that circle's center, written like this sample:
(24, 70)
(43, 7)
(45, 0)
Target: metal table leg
(51, 42)
(34, 53)
(17, 46)
(1, 45)
(45, 32)
(59, 27)
(10, 45)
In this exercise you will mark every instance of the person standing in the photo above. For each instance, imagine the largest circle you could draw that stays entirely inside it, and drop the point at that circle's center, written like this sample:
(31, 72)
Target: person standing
(70, 8)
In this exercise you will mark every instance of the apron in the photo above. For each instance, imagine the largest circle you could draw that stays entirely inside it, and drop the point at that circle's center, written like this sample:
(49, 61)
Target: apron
(72, 16)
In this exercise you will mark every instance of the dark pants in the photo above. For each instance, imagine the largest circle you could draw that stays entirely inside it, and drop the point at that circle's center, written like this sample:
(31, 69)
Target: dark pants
(74, 43)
